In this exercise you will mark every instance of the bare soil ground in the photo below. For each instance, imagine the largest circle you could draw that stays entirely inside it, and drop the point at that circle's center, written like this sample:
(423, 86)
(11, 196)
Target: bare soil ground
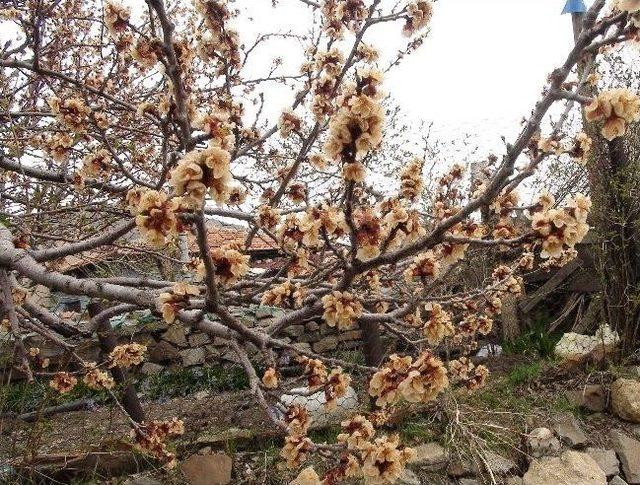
(521, 395)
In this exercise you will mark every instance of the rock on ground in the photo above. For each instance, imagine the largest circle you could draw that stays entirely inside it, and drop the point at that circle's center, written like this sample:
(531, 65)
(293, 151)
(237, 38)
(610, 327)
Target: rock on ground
(617, 481)
(625, 399)
(429, 456)
(207, 469)
(569, 431)
(575, 347)
(542, 442)
(319, 413)
(628, 451)
(606, 460)
(592, 397)
(570, 468)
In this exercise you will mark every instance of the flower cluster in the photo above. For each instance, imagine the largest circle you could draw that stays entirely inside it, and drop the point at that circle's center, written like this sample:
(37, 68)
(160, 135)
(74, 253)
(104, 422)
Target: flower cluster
(384, 459)
(297, 419)
(287, 295)
(230, 264)
(401, 377)
(127, 355)
(202, 170)
(295, 449)
(169, 303)
(439, 325)
(71, 112)
(425, 266)
(96, 164)
(116, 17)
(335, 383)
(357, 126)
(270, 378)
(418, 16)
(341, 309)
(146, 52)
(63, 382)
(289, 123)
(151, 438)
(614, 108)
(218, 126)
(96, 378)
(155, 215)
(411, 184)
(557, 228)
(339, 14)
(464, 371)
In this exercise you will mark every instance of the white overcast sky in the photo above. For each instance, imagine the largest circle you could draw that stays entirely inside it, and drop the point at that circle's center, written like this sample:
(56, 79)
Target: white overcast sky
(481, 69)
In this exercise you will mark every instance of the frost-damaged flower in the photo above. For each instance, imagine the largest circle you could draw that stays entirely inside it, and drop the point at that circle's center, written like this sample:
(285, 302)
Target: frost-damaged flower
(218, 126)
(145, 52)
(614, 108)
(356, 431)
(270, 378)
(71, 112)
(557, 228)
(96, 378)
(169, 303)
(307, 476)
(268, 217)
(316, 372)
(127, 355)
(97, 164)
(297, 419)
(384, 459)
(116, 17)
(411, 184)
(34, 352)
(341, 309)
(287, 295)
(150, 438)
(63, 382)
(155, 215)
(230, 264)
(295, 450)
(464, 371)
(581, 147)
(336, 387)
(288, 123)
(400, 377)
(439, 325)
(424, 266)
(202, 170)
(418, 16)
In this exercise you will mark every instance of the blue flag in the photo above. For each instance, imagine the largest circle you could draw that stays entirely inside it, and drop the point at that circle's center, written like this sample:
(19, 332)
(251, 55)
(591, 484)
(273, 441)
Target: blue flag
(574, 6)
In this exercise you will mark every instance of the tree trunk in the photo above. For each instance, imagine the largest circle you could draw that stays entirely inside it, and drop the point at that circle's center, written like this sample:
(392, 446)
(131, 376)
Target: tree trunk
(108, 342)
(371, 343)
(614, 179)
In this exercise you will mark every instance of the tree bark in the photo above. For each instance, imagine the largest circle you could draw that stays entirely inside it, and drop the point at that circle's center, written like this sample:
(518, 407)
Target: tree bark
(108, 342)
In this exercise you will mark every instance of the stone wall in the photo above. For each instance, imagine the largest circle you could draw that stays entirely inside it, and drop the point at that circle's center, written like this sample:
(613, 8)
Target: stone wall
(178, 346)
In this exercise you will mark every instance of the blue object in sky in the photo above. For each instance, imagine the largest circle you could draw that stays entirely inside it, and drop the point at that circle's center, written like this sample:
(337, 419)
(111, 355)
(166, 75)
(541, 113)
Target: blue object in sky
(574, 6)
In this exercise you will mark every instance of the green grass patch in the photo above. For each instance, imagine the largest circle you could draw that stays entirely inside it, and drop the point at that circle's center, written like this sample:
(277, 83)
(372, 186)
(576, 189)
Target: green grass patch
(182, 382)
(24, 397)
(524, 374)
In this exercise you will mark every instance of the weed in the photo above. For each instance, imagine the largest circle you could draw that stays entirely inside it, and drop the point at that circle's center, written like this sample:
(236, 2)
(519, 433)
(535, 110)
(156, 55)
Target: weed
(524, 374)
(182, 382)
